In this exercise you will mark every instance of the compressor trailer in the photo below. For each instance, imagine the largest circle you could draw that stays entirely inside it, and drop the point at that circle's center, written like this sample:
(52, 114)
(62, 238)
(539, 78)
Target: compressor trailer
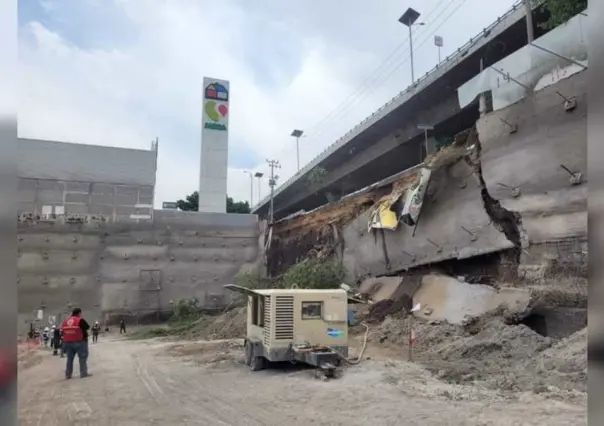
(296, 325)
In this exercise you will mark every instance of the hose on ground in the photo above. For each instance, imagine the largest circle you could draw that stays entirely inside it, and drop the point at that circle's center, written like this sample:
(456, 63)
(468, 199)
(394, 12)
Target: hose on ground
(359, 358)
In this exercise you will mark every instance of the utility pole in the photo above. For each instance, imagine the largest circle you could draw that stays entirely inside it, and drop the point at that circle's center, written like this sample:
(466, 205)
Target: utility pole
(296, 133)
(529, 21)
(251, 186)
(408, 19)
(272, 182)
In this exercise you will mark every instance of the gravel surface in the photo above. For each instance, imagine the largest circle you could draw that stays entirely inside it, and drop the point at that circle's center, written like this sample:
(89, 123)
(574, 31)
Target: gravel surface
(204, 383)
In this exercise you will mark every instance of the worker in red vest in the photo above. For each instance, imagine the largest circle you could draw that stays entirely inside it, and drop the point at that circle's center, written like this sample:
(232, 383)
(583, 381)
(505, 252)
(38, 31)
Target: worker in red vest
(75, 340)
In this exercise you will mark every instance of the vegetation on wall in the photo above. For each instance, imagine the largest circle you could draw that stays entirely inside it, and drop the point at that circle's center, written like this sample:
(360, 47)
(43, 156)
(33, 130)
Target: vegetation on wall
(561, 11)
(314, 273)
(310, 273)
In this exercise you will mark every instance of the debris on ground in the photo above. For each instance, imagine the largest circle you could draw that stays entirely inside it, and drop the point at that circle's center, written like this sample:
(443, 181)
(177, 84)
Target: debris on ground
(230, 325)
(493, 352)
(216, 352)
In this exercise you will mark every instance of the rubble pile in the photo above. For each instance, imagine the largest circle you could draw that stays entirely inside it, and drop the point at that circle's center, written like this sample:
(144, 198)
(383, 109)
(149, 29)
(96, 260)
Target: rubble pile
(229, 325)
(492, 352)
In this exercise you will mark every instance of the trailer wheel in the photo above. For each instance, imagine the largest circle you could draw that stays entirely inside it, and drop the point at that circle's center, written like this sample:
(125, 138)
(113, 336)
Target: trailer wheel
(257, 363)
(248, 352)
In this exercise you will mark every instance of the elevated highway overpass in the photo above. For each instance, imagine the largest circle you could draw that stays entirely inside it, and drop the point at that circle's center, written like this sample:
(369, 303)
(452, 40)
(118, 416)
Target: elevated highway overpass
(389, 141)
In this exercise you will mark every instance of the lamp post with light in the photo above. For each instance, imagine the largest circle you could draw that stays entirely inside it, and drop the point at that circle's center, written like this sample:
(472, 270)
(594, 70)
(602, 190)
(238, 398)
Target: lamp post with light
(409, 19)
(297, 134)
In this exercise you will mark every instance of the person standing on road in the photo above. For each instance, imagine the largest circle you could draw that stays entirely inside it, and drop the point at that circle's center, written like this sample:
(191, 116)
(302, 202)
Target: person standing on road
(96, 328)
(75, 337)
(45, 336)
(122, 326)
(56, 341)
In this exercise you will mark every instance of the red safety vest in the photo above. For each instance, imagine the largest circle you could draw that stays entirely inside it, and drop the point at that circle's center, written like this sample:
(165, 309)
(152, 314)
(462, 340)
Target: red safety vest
(71, 330)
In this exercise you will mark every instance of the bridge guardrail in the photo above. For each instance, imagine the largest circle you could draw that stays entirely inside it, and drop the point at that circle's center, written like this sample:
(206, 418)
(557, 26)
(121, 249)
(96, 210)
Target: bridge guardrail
(461, 51)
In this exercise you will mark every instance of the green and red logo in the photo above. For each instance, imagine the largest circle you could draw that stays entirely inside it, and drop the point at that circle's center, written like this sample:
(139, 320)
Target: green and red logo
(216, 106)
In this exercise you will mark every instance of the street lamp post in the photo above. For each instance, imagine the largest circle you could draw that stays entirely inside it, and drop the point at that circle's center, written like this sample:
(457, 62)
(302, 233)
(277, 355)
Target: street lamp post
(438, 42)
(297, 134)
(425, 128)
(259, 176)
(251, 186)
(408, 18)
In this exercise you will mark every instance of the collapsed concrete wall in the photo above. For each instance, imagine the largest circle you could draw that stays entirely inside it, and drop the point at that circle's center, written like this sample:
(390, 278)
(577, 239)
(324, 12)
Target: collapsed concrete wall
(132, 269)
(507, 192)
(453, 224)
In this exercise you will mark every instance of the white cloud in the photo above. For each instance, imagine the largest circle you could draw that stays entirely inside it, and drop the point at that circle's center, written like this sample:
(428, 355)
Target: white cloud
(312, 56)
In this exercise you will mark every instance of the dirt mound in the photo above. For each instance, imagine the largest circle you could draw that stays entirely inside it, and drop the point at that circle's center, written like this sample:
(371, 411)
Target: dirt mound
(492, 352)
(566, 362)
(229, 325)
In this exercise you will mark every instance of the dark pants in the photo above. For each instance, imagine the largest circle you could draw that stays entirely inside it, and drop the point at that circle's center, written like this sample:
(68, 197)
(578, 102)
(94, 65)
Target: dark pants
(81, 350)
(95, 337)
(56, 345)
(122, 329)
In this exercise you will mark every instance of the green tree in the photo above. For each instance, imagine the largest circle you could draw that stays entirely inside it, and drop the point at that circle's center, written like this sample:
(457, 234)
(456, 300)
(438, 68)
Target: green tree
(237, 206)
(191, 203)
(561, 11)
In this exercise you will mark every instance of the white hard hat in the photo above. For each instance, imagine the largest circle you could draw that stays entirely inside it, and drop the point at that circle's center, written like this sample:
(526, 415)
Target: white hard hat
(46, 328)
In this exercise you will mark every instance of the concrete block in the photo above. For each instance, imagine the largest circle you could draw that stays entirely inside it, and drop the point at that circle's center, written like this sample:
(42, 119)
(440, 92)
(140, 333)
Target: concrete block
(380, 288)
(54, 261)
(49, 196)
(76, 209)
(126, 190)
(25, 184)
(444, 298)
(50, 185)
(52, 241)
(365, 250)
(102, 189)
(127, 211)
(26, 207)
(102, 200)
(145, 251)
(101, 210)
(77, 198)
(77, 187)
(125, 200)
(145, 200)
(215, 254)
(145, 191)
(214, 220)
(26, 195)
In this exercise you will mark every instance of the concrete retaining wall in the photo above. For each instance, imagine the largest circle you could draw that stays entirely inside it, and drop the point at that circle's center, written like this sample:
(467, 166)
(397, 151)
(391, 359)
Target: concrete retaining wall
(136, 269)
(552, 209)
(554, 212)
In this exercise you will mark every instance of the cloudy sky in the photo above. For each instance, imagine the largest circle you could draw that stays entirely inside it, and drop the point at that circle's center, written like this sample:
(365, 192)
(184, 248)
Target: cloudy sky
(123, 72)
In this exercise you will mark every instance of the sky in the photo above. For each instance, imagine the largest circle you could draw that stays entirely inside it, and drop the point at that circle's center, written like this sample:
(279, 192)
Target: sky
(124, 72)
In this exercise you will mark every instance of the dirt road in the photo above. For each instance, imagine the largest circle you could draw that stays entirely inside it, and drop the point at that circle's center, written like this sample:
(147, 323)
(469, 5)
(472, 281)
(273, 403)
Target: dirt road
(159, 383)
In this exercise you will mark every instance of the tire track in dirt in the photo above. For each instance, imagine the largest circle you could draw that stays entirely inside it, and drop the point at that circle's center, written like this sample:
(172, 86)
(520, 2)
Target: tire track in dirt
(192, 391)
